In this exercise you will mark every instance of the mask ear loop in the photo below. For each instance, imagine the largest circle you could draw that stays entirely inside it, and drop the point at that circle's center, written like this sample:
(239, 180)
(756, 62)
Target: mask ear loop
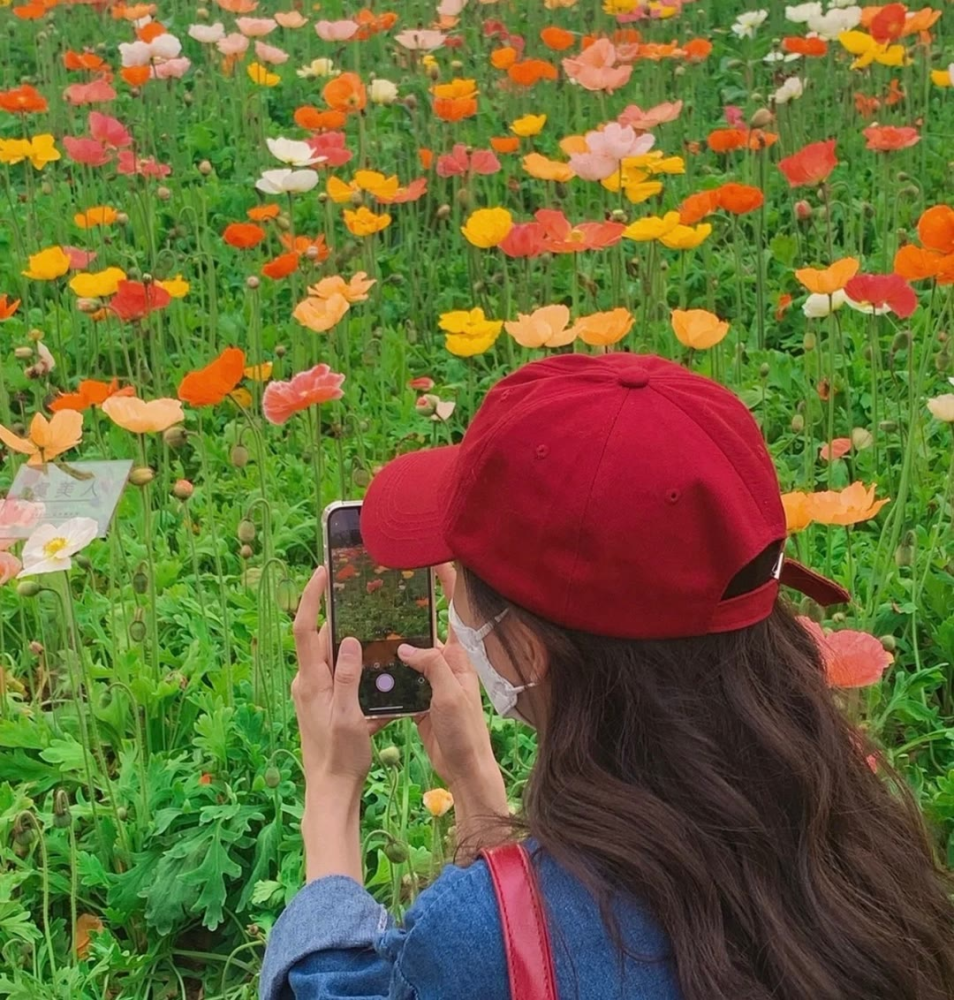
(488, 627)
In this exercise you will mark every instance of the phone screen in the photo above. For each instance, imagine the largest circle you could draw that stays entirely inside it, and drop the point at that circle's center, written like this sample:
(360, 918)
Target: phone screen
(381, 608)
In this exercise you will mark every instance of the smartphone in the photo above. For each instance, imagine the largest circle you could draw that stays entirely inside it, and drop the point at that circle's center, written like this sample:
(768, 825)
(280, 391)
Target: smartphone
(381, 608)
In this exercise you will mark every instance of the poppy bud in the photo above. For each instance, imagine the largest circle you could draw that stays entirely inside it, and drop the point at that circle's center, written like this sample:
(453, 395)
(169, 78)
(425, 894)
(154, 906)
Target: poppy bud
(942, 360)
(246, 552)
(761, 118)
(809, 341)
(137, 631)
(443, 212)
(391, 757)
(464, 198)
(838, 617)
(174, 437)
(861, 438)
(889, 426)
(273, 777)
(205, 168)
(427, 404)
(287, 596)
(28, 588)
(163, 193)
(904, 555)
(361, 478)
(434, 72)
(322, 197)
(147, 279)
(803, 210)
(867, 353)
(410, 102)
(121, 813)
(46, 187)
(88, 305)
(889, 643)
(679, 71)
(252, 282)
(36, 648)
(142, 475)
(245, 531)
(396, 852)
(798, 423)
(764, 370)
(23, 353)
(61, 809)
(83, 562)
(812, 609)
(24, 829)
(182, 489)
(202, 14)
(733, 63)
(238, 456)
(187, 97)
(618, 215)
(280, 350)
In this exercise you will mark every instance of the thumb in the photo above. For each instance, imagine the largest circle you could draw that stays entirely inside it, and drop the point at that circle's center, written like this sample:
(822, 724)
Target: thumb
(348, 668)
(431, 663)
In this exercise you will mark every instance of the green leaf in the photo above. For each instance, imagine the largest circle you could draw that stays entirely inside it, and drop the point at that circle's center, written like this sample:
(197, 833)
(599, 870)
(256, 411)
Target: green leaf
(784, 249)
(210, 876)
(67, 754)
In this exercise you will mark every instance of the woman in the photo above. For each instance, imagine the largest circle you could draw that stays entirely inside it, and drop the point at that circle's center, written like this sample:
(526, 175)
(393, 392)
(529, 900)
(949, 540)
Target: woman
(704, 823)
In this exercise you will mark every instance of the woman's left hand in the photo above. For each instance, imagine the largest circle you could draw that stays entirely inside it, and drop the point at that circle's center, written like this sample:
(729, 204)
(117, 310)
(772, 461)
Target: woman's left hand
(335, 735)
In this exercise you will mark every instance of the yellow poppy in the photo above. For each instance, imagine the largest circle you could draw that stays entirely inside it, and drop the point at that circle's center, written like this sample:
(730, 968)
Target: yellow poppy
(177, 287)
(528, 125)
(469, 332)
(259, 74)
(543, 169)
(364, 222)
(48, 264)
(99, 215)
(97, 284)
(487, 227)
(686, 237)
(652, 227)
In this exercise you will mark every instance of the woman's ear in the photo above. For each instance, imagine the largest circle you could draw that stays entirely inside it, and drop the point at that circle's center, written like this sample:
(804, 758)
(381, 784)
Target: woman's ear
(532, 661)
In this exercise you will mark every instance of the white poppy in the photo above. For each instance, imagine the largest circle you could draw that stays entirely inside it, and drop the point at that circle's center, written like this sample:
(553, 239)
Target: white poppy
(382, 91)
(777, 57)
(317, 68)
(819, 306)
(294, 152)
(287, 181)
(51, 546)
(829, 26)
(804, 11)
(791, 89)
(747, 22)
(207, 34)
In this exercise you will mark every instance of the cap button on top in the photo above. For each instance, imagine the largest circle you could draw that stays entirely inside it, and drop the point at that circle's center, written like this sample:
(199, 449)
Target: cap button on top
(634, 380)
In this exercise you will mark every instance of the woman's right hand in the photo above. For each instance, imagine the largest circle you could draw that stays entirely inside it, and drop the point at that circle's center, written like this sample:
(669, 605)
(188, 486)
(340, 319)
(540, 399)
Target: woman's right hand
(454, 731)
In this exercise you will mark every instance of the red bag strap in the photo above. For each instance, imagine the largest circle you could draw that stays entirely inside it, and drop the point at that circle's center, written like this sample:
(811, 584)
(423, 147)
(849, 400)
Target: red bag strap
(526, 938)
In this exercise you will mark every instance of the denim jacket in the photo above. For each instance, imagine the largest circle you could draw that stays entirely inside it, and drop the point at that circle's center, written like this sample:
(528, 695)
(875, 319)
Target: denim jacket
(334, 941)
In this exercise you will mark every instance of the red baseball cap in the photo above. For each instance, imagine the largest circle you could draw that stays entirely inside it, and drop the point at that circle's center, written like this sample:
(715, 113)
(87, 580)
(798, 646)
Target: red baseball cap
(618, 494)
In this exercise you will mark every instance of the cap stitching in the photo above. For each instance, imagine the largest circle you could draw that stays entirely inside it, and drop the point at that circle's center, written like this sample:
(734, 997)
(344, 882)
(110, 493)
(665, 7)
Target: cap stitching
(576, 558)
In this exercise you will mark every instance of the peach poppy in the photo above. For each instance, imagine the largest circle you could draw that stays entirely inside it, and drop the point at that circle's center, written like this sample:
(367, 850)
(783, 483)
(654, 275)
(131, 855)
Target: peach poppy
(23, 100)
(726, 140)
(739, 199)
(851, 505)
(561, 236)
(596, 68)
(281, 266)
(851, 659)
(544, 327)
(936, 229)
(96, 91)
(888, 138)
(90, 392)
(504, 58)
(697, 206)
(346, 93)
(321, 315)
(644, 121)
(438, 802)
(557, 39)
(262, 213)
(141, 417)
(243, 235)
(544, 169)
(505, 143)
(404, 194)
(810, 165)
(373, 24)
(46, 438)
(290, 19)
(827, 281)
(698, 329)
(805, 46)
(281, 400)
(211, 384)
(602, 329)
(238, 6)
(834, 449)
(798, 515)
(529, 72)
(354, 290)
(921, 21)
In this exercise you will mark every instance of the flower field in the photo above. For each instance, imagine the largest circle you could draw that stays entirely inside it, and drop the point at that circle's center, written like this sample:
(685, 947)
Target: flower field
(256, 248)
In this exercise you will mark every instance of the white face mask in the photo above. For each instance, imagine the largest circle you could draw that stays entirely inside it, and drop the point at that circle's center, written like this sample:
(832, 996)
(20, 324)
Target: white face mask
(502, 694)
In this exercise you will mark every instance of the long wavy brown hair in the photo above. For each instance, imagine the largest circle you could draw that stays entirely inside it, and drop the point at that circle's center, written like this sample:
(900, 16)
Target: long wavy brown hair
(716, 781)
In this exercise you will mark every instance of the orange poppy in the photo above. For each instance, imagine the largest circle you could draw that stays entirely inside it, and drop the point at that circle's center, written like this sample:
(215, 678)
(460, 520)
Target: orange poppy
(759, 139)
(132, 12)
(505, 144)
(655, 51)
(558, 39)
(210, 385)
(243, 235)
(810, 165)
(455, 109)
(346, 93)
(915, 264)
(831, 279)
(316, 250)
(866, 106)
(426, 156)
(261, 213)
(314, 120)
(697, 49)
(503, 58)
(531, 71)
(936, 229)
(890, 138)
(31, 11)
(372, 24)
(83, 60)
(895, 94)
(136, 76)
(281, 266)
(805, 46)
(151, 31)
(921, 21)
(90, 392)
(739, 198)
(22, 100)
(697, 206)
(726, 140)
(782, 307)
(8, 308)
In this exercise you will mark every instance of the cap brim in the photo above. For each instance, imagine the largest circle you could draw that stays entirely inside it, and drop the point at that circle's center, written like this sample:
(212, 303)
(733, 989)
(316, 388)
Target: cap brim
(403, 512)
(819, 588)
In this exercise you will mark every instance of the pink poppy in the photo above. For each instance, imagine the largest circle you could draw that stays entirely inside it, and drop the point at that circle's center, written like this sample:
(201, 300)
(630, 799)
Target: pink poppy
(79, 259)
(643, 121)
(423, 382)
(851, 659)
(525, 239)
(89, 152)
(373, 585)
(255, 27)
(17, 519)
(171, 69)
(148, 167)
(595, 67)
(290, 19)
(421, 40)
(877, 294)
(207, 34)
(410, 192)
(336, 31)
(9, 567)
(606, 148)
(330, 145)
(270, 54)
(561, 236)
(317, 385)
(836, 449)
(734, 116)
(456, 163)
(232, 45)
(97, 91)
(107, 130)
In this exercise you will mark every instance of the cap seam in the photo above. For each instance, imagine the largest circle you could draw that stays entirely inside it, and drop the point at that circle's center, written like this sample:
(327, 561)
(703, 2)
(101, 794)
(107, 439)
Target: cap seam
(586, 504)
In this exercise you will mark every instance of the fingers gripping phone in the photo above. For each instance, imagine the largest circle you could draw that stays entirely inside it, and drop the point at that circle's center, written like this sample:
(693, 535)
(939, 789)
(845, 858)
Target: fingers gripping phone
(381, 608)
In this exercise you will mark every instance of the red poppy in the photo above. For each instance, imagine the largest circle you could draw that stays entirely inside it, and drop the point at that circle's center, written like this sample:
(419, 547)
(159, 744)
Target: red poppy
(532, 71)
(243, 235)
(888, 24)
(561, 236)
(525, 239)
(281, 266)
(90, 392)
(882, 292)
(128, 163)
(557, 39)
(330, 145)
(888, 138)
(866, 106)
(895, 94)
(89, 152)
(805, 46)
(210, 385)
(725, 140)
(108, 130)
(739, 199)
(135, 301)
(22, 100)
(783, 305)
(810, 165)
